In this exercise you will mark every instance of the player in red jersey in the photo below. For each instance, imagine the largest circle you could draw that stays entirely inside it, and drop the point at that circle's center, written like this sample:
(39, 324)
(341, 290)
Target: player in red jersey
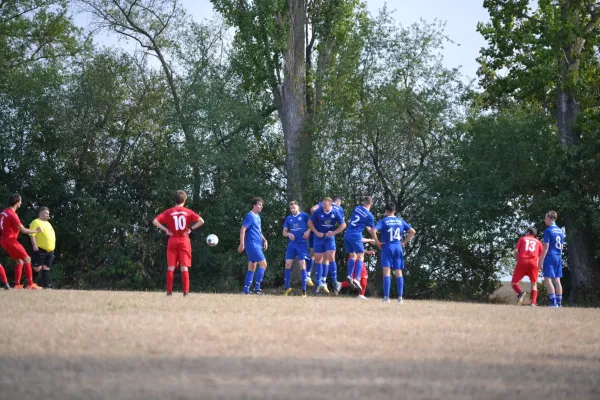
(178, 222)
(528, 252)
(10, 226)
(364, 275)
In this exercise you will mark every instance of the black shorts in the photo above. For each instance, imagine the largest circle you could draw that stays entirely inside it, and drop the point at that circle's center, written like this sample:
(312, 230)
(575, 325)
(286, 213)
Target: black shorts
(43, 257)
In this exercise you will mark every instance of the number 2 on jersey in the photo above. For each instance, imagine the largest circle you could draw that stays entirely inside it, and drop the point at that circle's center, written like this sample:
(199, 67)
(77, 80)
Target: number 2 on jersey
(394, 234)
(179, 222)
(353, 223)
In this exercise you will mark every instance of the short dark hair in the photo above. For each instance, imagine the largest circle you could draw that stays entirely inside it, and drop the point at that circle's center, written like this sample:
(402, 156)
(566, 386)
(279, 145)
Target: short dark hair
(43, 209)
(256, 200)
(367, 200)
(336, 198)
(180, 197)
(532, 231)
(294, 202)
(14, 199)
(552, 215)
(390, 207)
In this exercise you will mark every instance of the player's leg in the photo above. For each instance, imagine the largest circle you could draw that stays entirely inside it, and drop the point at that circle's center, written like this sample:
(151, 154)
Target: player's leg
(287, 274)
(172, 262)
(533, 278)
(28, 270)
(557, 284)
(363, 283)
(3, 278)
(47, 261)
(398, 268)
(549, 275)
(358, 269)
(185, 260)
(260, 273)
(337, 286)
(518, 274)
(17, 252)
(249, 277)
(387, 283)
(302, 265)
(311, 260)
(351, 259)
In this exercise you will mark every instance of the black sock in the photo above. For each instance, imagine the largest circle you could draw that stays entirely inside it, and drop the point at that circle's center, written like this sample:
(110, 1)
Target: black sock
(47, 278)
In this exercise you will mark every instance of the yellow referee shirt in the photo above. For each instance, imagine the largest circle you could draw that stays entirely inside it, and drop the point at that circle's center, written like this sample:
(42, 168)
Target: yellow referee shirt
(46, 239)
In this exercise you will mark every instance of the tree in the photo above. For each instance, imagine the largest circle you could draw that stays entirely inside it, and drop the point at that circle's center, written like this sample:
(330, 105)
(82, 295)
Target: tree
(550, 56)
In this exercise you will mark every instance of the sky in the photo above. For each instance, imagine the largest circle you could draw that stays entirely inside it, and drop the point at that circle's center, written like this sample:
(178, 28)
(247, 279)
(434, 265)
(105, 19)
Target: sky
(461, 19)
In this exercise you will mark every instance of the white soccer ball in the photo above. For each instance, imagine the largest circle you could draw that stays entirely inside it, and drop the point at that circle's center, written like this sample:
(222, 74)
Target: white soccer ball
(212, 240)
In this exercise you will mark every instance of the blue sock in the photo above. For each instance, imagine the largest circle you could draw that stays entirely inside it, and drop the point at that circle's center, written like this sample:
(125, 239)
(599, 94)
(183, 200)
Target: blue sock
(303, 275)
(559, 299)
(400, 285)
(260, 272)
(309, 265)
(248, 281)
(387, 283)
(351, 266)
(287, 277)
(324, 272)
(333, 271)
(359, 267)
(318, 269)
(552, 298)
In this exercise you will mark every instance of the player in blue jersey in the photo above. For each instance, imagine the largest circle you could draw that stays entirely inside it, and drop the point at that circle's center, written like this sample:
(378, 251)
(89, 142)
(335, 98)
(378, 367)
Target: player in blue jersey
(323, 224)
(551, 259)
(392, 254)
(321, 275)
(253, 241)
(295, 228)
(360, 219)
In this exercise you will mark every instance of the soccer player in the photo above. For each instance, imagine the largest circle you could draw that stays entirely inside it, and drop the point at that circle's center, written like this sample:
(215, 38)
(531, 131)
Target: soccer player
(43, 246)
(3, 278)
(295, 228)
(551, 259)
(178, 222)
(364, 276)
(323, 224)
(527, 252)
(392, 254)
(360, 219)
(253, 241)
(10, 226)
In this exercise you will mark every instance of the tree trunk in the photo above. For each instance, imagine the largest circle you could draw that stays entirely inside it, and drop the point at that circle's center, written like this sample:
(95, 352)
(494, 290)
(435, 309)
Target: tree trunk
(291, 104)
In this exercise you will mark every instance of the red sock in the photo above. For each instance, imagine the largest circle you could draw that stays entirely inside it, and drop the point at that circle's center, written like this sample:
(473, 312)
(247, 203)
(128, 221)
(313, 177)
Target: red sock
(170, 280)
(3, 274)
(534, 297)
(185, 280)
(363, 284)
(345, 284)
(517, 288)
(28, 273)
(18, 273)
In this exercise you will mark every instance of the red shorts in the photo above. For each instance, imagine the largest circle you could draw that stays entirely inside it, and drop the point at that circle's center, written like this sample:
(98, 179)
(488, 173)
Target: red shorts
(179, 252)
(14, 249)
(526, 267)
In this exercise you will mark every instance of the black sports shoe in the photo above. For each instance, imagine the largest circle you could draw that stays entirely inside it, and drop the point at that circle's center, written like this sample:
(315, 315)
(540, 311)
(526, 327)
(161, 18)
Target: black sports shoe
(258, 292)
(169, 294)
(6, 286)
(185, 294)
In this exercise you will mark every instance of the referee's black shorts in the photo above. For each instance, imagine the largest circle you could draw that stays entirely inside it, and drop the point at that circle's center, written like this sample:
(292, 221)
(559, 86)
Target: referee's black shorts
(43, 257)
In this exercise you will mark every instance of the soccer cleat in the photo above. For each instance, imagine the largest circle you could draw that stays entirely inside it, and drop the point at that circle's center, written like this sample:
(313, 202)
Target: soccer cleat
(33, 286)
(169, 293)
(400, 300)
(553, 305)
(356, 284)
(386, 300)
(520, 298)
(18, 287)
(338, 287)
(361, 297)
(533, 305)
(309, 282)
(185, 294)
(350, 280)
(257, 292)
(287, 291)
(304, 293)
(6, 286)
(324, 288)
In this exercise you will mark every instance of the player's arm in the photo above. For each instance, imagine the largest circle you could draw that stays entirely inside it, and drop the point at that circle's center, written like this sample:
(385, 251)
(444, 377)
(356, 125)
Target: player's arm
(411, 234)
(544, 252)
(516, 250)
(314, 208)
(242, 237)
(265, 243)
(29, 231)
(311, 226)
(367, 240)
(373, 233)
(161, 227)
(288, 234)
(198, 224)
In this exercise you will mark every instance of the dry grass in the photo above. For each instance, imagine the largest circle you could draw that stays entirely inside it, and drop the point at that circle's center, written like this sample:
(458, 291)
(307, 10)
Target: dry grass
(117, 345)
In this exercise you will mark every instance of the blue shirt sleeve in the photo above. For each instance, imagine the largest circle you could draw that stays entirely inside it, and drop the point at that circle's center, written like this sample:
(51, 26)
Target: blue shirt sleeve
(247, 221)
(371, 220)
(339, 217)
(405, 226)
(379, 225)
(313, 218)
(286, 223)
(547, 236)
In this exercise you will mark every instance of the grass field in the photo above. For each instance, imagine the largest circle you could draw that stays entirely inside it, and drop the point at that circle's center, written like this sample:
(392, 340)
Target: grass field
(122, 345)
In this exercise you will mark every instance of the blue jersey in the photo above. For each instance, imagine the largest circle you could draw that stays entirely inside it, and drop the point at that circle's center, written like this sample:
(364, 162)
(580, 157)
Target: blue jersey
(297, 224)
(391, 229)
(325, 222)
(360, 218)
(334, 207)
(253, 230)
(555, 237)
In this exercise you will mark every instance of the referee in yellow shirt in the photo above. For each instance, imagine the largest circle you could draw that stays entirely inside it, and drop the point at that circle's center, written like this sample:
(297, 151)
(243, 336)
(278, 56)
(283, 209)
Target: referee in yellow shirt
(43, 243)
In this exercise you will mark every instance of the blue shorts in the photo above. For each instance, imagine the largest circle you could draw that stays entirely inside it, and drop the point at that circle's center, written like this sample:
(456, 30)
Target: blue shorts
(353, 245)
(255, 253)
(311, 240)
(392, 256)
(553, 266)
(296, 250)
(324, 244)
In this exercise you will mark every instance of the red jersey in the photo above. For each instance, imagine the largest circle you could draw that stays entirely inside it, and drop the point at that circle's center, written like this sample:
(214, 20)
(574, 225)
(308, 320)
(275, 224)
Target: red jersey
(529, 247)
(9, 224)
(178, 220)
